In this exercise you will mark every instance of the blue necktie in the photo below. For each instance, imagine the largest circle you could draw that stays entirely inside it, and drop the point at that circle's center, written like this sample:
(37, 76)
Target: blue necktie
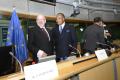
(60, 29)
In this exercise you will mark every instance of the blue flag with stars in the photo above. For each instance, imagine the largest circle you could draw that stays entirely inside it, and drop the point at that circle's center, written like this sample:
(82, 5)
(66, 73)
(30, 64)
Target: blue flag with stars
(15, 37)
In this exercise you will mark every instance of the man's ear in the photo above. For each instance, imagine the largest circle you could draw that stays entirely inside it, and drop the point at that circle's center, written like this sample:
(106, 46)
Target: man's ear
(45, 20)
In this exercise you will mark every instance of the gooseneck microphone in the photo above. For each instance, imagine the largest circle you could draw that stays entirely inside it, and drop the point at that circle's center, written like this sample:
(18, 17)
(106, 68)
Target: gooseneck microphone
(103, 44)
(75, 49)
(21, 68)
(109, 49)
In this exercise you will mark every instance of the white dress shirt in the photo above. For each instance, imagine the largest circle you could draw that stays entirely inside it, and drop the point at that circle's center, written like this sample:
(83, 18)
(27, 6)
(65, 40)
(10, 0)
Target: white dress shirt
(62, 25)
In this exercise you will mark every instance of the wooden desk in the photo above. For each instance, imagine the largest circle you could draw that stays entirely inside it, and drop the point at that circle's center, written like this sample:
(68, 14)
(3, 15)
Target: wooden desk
(91, 69)
(13, 76)
(88, 68)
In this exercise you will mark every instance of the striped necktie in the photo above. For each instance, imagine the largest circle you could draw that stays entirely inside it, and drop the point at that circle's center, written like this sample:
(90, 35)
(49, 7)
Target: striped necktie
(46, 33)
(60, 29)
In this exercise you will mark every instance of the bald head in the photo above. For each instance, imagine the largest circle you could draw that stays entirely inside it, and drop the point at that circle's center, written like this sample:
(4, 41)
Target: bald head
(41, 20)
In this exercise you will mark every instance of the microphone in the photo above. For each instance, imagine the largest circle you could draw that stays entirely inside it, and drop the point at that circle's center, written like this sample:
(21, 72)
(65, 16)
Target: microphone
(112, 47)
(21, 68)
(103, 44)
(75, 49)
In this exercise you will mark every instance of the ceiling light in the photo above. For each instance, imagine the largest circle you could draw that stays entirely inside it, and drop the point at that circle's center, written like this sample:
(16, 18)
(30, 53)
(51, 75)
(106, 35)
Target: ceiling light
(114, 10)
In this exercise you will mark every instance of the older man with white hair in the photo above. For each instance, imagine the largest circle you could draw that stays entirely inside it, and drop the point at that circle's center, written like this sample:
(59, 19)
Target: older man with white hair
(39, 39)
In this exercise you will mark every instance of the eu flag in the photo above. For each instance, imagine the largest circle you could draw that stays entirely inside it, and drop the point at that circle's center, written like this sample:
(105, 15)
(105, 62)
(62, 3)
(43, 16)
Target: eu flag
(15, 37)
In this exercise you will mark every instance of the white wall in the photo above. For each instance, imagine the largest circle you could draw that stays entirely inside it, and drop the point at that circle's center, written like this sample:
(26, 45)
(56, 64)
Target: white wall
(83, 14)
(35, 7)
(62, 8)
(20, 5)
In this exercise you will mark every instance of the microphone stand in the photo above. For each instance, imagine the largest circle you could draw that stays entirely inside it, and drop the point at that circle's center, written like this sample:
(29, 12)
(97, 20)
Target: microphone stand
(103, 44)
(21, 68)
(75, 49)
(108, 50)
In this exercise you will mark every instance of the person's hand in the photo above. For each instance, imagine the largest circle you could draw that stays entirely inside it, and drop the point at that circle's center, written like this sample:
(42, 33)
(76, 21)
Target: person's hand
(44, 54)
(41, 53)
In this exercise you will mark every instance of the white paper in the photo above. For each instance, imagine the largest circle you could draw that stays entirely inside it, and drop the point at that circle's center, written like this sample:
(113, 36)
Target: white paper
(41, 71)
(101, 54)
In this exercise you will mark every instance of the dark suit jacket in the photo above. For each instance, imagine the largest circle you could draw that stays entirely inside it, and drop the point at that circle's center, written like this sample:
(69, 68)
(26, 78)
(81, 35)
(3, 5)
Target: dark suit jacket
(62, 41)
(93, 34)
(37, 40)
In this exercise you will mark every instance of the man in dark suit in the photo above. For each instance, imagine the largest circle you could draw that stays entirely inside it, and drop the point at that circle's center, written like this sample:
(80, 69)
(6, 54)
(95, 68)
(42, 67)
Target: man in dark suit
(93, 34)
(63, 37)
(39, 39)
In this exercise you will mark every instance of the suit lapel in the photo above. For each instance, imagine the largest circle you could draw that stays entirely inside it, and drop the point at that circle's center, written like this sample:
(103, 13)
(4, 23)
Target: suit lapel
(38, 29)
(57, 30)
(42, 33)
(64, 30)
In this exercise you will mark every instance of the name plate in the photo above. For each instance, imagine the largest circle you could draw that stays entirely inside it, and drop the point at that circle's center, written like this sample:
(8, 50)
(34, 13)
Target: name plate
(41, 71)
(101, 54)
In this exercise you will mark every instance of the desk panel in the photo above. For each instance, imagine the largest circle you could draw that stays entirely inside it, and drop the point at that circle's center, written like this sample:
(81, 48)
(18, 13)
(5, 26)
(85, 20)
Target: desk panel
(118, 67)
(101, 72)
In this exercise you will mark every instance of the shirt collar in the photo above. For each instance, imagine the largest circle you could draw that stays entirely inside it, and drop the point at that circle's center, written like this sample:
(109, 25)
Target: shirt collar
(42, 28)
(62, 25)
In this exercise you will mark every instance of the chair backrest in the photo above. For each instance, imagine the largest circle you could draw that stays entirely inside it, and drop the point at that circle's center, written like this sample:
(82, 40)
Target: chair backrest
(7, 63)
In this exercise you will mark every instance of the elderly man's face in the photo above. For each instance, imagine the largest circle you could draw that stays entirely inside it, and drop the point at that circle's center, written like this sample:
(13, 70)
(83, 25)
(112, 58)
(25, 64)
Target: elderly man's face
(41, 20)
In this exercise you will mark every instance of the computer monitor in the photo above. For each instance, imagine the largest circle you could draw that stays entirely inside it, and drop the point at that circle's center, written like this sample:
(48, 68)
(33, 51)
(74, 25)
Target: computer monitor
(7, 63)
(48, 58)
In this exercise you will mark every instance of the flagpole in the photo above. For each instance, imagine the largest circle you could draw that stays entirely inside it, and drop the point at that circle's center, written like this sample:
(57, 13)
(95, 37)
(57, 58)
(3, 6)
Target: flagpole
(14, 5)
(15, 37)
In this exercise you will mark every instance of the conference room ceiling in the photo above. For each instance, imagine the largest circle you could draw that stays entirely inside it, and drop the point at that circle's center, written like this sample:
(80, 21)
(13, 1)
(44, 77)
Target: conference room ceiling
(94, 1)
(65, 1)
(95, 4)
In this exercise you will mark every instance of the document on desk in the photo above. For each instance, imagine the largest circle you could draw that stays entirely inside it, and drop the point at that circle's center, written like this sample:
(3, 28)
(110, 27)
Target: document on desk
(41, 71)
(101, 54)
